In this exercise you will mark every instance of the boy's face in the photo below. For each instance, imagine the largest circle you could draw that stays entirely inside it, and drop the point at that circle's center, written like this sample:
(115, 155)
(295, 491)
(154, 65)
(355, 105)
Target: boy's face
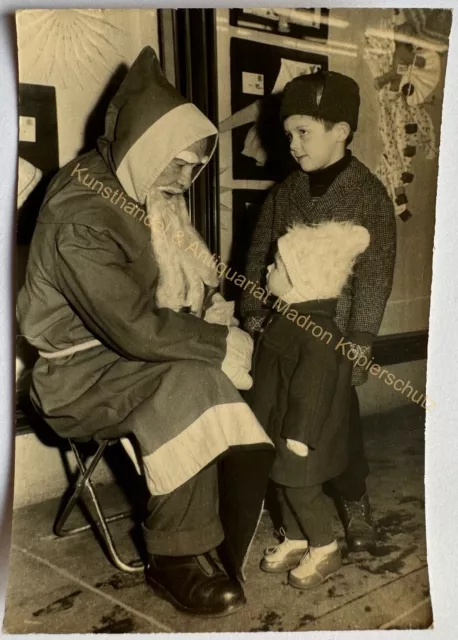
(278, 281)
(311, 145)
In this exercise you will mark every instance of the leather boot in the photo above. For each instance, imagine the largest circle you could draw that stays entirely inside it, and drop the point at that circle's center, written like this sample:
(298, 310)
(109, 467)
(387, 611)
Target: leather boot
(359, 526)
(195, 585)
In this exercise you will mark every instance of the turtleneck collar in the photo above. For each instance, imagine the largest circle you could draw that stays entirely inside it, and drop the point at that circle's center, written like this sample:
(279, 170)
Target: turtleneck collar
(321, 180)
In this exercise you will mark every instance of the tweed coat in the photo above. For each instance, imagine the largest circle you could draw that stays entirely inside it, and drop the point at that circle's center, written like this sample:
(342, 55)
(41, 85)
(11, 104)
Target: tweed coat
(357, 196)
(301, 391)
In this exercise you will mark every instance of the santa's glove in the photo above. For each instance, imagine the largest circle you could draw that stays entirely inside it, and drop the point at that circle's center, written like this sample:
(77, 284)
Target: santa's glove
(237, 363)
(362, 345)
(253, 324)
(299, 448)
(221, 312)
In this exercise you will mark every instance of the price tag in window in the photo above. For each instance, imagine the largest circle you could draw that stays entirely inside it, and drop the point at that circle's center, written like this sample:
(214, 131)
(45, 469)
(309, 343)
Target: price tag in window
(253, 83)
(27, 129)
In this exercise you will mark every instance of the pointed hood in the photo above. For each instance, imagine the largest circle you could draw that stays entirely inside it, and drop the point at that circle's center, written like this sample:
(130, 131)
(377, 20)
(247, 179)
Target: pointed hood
(148, 123)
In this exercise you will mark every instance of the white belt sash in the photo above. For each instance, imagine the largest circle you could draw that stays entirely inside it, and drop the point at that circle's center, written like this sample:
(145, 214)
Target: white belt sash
(70, 350)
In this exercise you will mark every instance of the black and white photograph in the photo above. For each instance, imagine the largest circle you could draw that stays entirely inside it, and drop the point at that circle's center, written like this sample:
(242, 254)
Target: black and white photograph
(224, 250)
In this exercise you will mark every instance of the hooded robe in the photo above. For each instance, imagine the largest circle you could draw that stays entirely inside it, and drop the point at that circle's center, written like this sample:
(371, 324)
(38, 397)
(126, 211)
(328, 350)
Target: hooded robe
(91, 280)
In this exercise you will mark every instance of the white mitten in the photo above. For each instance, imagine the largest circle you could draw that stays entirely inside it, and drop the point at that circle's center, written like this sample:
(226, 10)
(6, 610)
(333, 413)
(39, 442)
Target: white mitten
(239, 377)
(237, 363)
(299, 448)
(221, 312)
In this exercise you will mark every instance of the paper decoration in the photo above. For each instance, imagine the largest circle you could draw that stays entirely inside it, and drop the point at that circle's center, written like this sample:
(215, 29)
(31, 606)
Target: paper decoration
(76, 46)
(432, 25)
(27, 129)
(405, 215)
(420, 79)
(406, 127)
(253, 83)
(290, 69)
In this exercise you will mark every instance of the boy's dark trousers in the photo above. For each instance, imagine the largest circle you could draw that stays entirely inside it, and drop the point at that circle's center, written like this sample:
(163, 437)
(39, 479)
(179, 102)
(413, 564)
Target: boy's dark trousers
(351, 484)
(349, 488)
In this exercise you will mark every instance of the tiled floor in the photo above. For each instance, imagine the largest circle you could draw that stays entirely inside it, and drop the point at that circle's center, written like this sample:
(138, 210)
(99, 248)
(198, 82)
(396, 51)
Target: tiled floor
(68, 586)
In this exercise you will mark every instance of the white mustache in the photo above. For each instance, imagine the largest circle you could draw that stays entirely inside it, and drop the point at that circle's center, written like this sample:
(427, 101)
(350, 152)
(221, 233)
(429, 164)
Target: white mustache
(171, 191)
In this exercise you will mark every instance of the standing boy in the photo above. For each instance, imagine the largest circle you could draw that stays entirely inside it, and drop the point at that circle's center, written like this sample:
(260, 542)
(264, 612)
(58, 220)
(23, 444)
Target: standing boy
(320, 115)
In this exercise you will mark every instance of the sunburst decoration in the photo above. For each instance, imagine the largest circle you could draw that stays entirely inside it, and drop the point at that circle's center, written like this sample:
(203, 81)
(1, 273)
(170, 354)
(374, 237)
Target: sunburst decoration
(73, 45)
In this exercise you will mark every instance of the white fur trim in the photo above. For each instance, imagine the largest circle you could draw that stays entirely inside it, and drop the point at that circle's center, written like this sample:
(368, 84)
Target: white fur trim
(214, 432)
(320, 258)
(130, 450)
(177, 130)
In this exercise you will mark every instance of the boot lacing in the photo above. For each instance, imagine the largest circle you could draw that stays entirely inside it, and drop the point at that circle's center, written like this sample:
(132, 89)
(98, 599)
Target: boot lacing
(283, 546)
(357, 509)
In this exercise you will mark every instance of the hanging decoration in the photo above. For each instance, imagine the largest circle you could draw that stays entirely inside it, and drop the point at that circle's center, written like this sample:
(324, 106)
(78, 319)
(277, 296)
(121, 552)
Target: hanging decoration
(406, 76)
(421, 78)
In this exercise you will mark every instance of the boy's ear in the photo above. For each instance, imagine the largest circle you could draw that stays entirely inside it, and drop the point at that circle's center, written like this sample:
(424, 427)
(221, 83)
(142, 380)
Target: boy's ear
(341, 131)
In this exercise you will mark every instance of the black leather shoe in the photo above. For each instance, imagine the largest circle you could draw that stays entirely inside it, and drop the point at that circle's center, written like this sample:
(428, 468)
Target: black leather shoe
(195, 585)
(359, 526)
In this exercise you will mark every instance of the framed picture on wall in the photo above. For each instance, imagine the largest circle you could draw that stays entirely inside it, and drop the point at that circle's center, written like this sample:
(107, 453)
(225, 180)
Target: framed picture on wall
(292, 23)
(259, 73)
(38, 145)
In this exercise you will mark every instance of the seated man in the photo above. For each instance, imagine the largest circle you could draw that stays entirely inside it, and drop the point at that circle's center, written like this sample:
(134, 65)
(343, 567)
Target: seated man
(114, 301)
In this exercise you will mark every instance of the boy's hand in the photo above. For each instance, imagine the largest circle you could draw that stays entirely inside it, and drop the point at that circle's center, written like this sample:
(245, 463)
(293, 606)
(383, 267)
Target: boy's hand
(299, 448)
(253, 325)
(360, 374)
(362, 342)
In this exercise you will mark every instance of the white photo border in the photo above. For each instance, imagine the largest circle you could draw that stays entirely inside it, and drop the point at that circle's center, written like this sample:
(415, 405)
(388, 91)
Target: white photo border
(442, 377)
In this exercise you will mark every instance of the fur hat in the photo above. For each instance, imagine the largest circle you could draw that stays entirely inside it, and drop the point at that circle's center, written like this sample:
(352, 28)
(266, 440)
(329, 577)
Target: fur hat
(319, 258)
(326, 95)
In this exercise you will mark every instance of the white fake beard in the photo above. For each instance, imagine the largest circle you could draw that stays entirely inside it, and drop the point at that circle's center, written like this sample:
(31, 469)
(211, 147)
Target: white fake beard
(184, 261)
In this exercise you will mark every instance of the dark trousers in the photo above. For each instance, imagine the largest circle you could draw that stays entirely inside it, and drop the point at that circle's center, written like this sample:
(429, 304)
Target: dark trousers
(305, 511)
(351, 484)
(305, 514)
(186, 521)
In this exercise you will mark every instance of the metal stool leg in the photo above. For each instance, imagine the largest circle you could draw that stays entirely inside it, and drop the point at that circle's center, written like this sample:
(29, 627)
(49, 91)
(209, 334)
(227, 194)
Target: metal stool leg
(84, 482)
(81, 483)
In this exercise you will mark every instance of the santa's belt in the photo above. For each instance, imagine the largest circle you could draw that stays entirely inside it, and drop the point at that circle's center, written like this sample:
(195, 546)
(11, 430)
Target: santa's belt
(70, 350)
